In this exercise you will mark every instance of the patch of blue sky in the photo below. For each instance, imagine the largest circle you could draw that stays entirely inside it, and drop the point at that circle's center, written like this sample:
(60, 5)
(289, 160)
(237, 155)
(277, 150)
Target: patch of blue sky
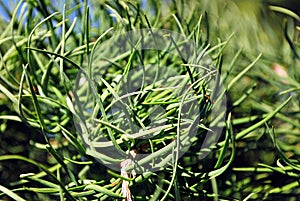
(73, 10)
(5, 8)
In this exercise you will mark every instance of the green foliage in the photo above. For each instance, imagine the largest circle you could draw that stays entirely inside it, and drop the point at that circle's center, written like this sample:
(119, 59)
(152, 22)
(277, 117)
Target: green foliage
(253, 46)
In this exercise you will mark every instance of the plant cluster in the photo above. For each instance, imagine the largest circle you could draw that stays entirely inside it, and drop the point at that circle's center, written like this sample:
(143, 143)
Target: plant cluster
(215, 106)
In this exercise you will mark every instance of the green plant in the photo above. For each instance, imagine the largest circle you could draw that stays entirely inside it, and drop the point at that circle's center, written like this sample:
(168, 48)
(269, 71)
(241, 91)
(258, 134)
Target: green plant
(44, 47)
